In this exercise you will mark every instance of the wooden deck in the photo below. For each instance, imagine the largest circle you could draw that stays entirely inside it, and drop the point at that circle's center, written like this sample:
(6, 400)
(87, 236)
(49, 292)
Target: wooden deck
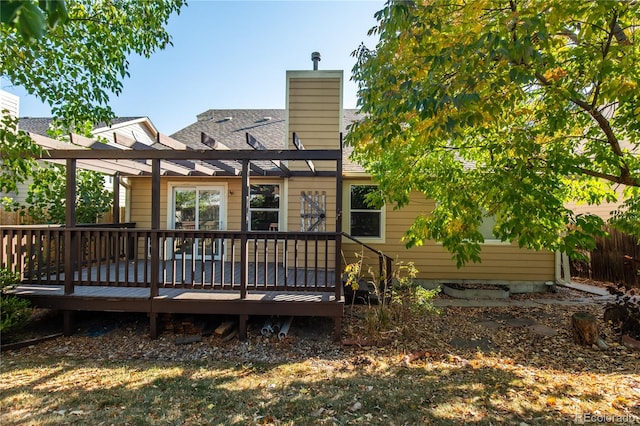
(187, 301)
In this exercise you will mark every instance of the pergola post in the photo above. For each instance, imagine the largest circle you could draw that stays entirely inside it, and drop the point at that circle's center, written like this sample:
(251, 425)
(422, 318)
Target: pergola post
(338, 254)
(70, 242)
(116, 198)
(70, 223)
(244, 228)
(155, 226)
(154, 245)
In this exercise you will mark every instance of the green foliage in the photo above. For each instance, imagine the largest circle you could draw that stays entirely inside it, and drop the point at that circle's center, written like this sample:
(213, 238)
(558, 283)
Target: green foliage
(46, 198)
(31, 18)
(14, 311)
(15, 167)
(398, 305)
(508, 109)
(82, 57)
(73, 56)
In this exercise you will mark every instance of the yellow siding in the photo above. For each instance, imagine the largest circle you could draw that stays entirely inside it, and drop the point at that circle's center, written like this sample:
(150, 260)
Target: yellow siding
(500, 262)
(603, 210)
(314, 110)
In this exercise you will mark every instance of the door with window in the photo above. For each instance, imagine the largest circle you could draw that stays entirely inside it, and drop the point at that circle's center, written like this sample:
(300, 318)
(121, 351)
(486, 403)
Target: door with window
(198, 208)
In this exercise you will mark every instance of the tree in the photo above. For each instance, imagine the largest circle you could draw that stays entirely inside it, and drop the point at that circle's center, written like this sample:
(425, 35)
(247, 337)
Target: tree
(46, 197)
(73, 55)
(510, 109)
(31, 19)
(15, 166)
(82, 57)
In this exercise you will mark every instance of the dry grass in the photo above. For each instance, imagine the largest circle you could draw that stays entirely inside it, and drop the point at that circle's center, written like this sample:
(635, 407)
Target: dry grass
(524, 377)
(361, 390)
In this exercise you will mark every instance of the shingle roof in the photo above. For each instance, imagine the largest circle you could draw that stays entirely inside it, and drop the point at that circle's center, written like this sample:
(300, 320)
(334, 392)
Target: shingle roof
(37, 125)
(40, 125)
(229, 127)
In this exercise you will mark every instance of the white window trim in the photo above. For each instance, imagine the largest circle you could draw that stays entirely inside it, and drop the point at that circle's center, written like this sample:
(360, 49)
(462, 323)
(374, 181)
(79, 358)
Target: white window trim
(280, 206)
(346, 223)
(186, 184)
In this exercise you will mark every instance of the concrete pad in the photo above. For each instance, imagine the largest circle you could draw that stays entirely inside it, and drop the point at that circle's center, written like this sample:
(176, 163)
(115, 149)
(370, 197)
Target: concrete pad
(475, 293)
(586, 288)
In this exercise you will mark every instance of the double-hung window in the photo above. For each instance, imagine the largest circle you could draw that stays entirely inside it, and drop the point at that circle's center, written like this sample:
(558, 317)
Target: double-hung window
(264, 207)
(365, 220)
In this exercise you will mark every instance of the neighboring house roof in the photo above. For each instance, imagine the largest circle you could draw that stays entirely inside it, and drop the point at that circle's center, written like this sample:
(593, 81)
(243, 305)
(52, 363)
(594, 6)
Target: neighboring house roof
(40, 125)
(229, 127)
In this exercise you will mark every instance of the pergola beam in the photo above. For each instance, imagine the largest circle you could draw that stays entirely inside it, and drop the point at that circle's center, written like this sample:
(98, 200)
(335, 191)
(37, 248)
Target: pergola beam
(298, 144)
(255, 144)
(315, 154)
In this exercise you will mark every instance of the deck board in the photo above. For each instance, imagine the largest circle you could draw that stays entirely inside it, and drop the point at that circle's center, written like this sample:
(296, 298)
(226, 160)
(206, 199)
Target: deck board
(176, 294)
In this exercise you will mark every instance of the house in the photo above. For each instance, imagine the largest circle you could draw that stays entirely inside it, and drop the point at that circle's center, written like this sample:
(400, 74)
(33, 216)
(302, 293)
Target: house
(139, 128)
(244, 212)
(314, 113)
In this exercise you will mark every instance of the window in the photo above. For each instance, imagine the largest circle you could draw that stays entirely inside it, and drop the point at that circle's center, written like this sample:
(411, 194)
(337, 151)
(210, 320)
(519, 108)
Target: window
(264, 207)
(486, 227)
(365, 220)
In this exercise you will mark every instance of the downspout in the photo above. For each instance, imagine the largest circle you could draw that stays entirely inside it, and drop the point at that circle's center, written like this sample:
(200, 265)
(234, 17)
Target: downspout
(562, 268)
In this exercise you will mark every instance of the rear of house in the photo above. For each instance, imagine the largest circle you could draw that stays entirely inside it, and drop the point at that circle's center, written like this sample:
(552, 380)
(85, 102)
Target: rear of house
(314, 119)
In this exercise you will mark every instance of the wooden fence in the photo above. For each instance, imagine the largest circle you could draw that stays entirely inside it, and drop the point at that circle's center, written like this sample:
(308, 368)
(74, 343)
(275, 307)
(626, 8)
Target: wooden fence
(616, 259)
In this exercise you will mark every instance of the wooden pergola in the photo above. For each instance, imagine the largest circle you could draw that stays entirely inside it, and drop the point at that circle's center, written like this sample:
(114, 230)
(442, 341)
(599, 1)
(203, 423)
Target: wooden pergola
(290, 289)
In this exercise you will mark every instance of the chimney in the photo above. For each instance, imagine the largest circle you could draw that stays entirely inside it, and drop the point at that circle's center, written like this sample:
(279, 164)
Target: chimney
(315, 57)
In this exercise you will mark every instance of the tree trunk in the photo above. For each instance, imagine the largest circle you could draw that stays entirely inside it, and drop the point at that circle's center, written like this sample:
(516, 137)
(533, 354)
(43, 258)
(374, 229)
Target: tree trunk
(585, 328)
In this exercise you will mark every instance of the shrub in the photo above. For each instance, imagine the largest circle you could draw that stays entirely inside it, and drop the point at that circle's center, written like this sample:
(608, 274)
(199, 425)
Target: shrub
(398, 304)
(624, 312)
(14, 311)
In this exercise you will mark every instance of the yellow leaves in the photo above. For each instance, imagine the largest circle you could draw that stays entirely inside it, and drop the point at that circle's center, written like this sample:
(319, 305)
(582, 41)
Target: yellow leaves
(621, 402)
(551, 401)
(455, 226)
(555, 74)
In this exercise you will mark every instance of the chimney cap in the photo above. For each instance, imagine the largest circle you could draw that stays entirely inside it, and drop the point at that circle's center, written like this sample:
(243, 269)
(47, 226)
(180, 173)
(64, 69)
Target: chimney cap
(315, 57)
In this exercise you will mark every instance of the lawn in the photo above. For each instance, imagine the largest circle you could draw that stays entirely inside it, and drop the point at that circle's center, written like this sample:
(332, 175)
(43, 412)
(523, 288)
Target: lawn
(513, 376)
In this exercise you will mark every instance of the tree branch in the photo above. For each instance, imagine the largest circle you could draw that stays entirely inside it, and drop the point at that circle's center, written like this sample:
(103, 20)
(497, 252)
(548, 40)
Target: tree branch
(595, 114)
(624, 180)
(605, 51)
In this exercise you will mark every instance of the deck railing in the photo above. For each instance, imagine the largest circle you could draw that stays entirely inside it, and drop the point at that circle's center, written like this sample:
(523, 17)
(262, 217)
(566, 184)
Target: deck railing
(196, 259)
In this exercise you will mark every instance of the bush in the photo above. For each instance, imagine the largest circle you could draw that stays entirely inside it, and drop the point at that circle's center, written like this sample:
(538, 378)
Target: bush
(14, 311)
(624, 312)
(397, 305)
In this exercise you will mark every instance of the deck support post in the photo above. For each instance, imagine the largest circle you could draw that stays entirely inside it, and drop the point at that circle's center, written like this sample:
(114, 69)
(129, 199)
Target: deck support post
(153, 325)
(67, 323)
(244, 227)
(242, 327)
(337, 329)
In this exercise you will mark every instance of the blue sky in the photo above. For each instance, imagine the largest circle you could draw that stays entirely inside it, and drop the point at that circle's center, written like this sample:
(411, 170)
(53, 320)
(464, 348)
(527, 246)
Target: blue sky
(234, 54)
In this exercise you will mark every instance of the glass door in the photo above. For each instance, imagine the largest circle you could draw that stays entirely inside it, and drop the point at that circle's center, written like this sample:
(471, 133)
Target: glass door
(197, 208)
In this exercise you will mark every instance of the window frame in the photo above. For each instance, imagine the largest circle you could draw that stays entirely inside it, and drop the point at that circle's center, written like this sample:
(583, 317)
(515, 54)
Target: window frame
(278, 210)
(350, 210)
(490, 239)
